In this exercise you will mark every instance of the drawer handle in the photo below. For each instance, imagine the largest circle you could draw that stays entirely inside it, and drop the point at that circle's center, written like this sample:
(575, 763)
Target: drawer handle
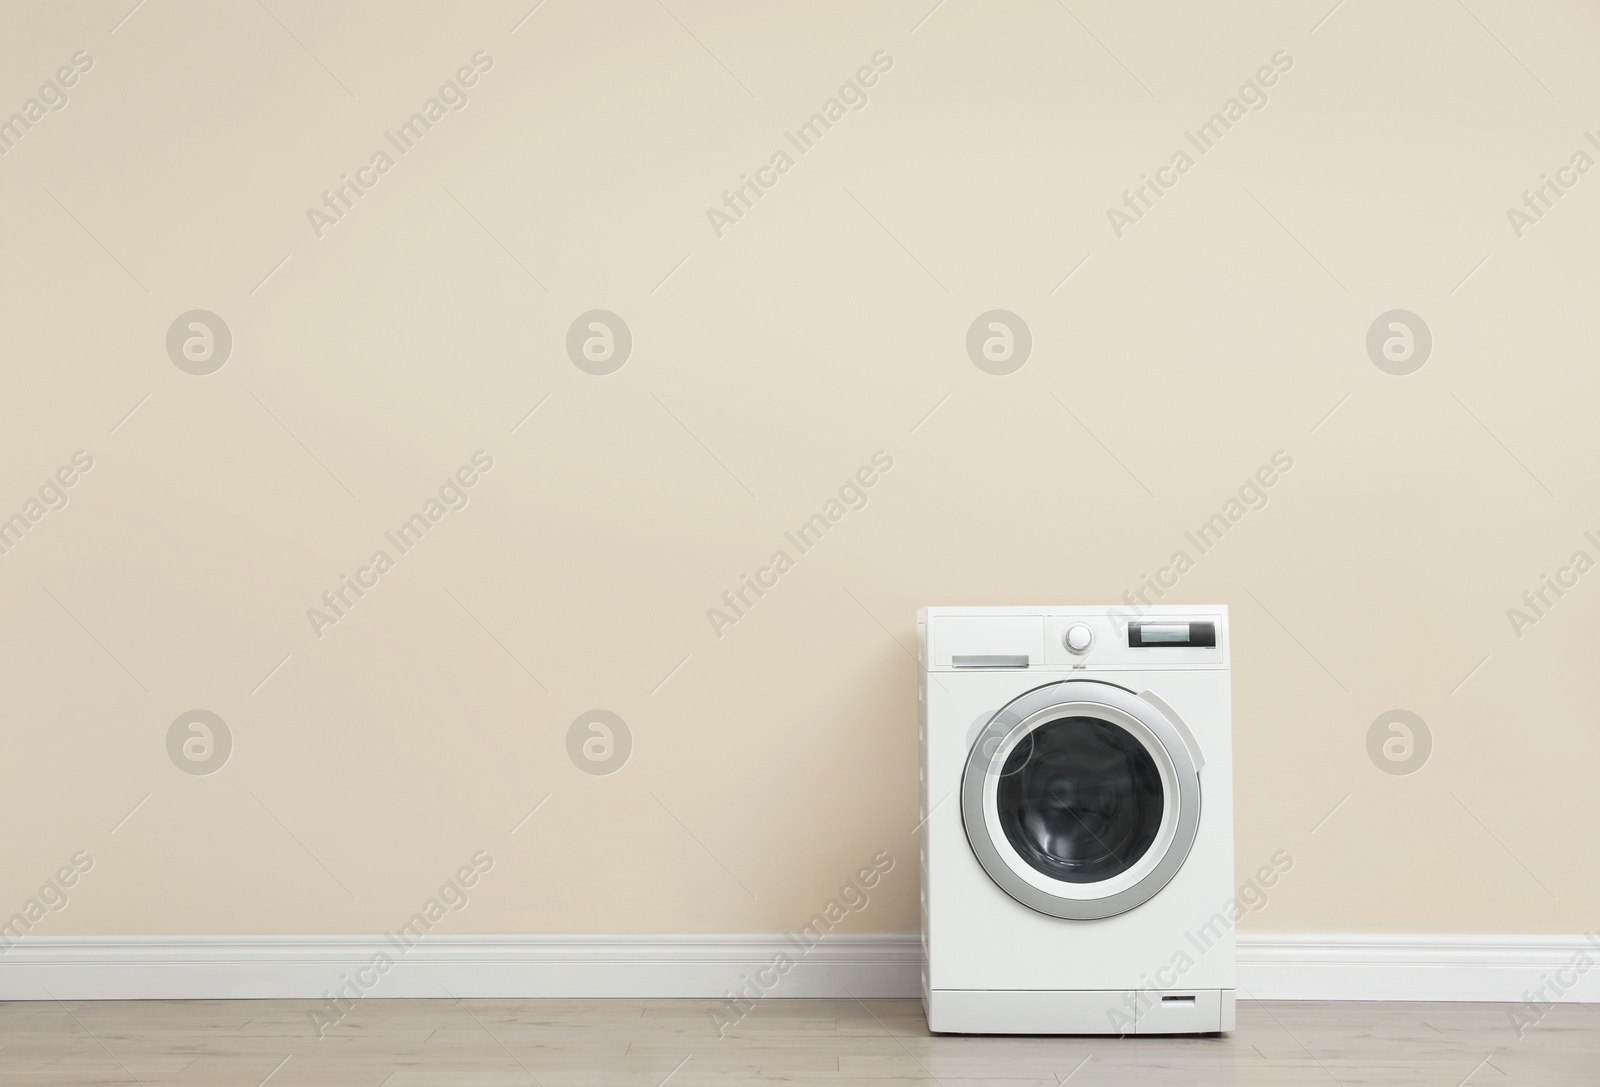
(990, 660)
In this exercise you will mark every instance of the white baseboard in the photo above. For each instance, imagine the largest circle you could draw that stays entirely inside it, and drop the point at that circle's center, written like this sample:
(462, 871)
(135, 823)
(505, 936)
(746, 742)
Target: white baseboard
(308, 967)
(1487, 968)
(1482, 968)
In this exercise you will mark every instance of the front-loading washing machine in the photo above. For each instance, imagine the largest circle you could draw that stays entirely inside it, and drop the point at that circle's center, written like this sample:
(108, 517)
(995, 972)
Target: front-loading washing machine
(1077, 820)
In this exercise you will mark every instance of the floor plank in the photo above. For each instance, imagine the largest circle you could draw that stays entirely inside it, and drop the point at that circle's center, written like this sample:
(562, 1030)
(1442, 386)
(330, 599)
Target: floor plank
(884, 1043)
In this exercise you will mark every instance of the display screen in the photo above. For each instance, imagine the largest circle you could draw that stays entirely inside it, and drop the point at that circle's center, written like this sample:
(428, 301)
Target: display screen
(1150, 635)
(1167, 632)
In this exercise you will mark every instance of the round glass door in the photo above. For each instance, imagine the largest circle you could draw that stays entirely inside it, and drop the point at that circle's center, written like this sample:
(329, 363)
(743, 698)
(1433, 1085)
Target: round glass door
(1081, 799)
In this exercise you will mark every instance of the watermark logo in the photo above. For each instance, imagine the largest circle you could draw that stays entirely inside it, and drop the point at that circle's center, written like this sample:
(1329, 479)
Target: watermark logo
(599, 342)
(851, 98)
(338, 201)
(451, 497)
(1537, 201)
(1252, 897)
(452, 897)
(1399, 743)
(851, 496)
(1399, 342)
(1138, 200)
(853, 897)
(999, 342)
(1539, 1002)
(199, 342)
(52, 898)
(1537, 601)
(199, 742)
(52, 495)
(52, 98)
(1251, 496)
(599, 743)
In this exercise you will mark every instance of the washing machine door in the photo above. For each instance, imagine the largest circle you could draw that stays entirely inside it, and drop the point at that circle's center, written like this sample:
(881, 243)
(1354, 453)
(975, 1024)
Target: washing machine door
(1081, 799)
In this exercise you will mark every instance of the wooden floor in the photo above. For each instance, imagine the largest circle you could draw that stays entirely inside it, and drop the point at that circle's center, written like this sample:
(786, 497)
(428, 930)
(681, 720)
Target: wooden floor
(588, 1043)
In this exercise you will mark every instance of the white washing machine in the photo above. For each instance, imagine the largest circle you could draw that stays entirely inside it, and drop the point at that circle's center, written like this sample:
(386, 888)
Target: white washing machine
(1077, 835)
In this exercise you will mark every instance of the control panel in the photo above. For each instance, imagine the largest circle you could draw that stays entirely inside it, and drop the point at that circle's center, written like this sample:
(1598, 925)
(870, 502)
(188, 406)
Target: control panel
(1008, 639)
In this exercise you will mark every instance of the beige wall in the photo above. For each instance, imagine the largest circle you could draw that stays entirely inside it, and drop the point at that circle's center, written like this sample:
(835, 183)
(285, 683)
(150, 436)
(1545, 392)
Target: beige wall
(823, 327)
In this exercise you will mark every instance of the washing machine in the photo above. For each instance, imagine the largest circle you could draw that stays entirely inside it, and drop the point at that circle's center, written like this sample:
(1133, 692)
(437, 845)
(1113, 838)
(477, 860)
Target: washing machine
(1077, 820)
